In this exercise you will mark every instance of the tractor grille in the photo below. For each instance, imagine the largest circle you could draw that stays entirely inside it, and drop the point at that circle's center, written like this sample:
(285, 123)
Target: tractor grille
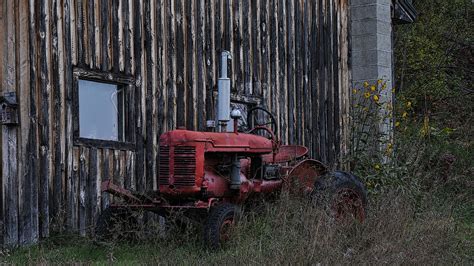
(184, 162)
(164, 165)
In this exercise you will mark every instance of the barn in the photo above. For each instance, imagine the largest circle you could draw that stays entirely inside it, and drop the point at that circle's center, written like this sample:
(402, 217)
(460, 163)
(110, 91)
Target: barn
(88, 86)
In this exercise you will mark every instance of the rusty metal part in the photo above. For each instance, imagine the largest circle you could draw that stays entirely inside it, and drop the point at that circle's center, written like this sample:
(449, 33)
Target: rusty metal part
(347, 204)
(303, 175)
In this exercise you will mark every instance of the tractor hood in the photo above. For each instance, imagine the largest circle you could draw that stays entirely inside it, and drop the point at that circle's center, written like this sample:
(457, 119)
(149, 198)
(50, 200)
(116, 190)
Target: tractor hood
(218, 142)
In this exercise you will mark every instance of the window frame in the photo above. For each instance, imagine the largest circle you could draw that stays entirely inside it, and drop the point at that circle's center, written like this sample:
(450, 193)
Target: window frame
(122, 81)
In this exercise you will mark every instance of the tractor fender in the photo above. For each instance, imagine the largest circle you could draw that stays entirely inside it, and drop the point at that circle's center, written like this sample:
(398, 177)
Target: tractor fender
(301, 177)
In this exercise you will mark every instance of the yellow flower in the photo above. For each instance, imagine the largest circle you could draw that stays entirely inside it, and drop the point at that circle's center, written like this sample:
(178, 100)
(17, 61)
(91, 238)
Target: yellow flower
(388, 152)
(367, 95)
(376, 98)
(366, 84)
(393, 90)
(408, 104)
(384, 86)
(354, 91)
(379, 81)
(390, 145)
(397, 124)
(404, 115)
(366, 109)
(377, 167)
(373, 88)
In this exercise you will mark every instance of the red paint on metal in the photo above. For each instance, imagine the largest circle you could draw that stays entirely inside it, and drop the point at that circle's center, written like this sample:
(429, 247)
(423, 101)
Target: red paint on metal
(286, 153)
(218, 142)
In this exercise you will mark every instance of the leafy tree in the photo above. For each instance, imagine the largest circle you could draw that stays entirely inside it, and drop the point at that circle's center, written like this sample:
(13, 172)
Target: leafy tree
(435, 59)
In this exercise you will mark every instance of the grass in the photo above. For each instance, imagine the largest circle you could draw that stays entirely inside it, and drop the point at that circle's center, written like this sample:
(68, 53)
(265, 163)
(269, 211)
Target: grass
(290, 231)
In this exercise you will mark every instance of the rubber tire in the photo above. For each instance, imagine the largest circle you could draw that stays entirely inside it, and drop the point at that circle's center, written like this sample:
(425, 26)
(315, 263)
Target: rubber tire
(326, 188)
(216, 218)
(107, 224)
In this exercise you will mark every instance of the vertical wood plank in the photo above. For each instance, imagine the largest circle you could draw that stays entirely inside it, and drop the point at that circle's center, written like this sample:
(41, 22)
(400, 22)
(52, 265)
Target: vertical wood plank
(290, 74)
(25, 186)
(322, 83)
(171, 62)
(188, 62)
(97, 34)
(121, 29)
(345, 77)
(105, 174)
(246, 52)
(127, 34)
(265, 53)
(100, 178)
(114, 39)
(274, 45)
(306, 75)
(91, 27)
(129, 178)
(200, 65)
(28, 232)
(57, 130)
(44, 132)
(83, 195)
(222, 31)
(92, 187)
(73, 31)
(335, 74)
(210, 41)
(62, 70)
(180, 52)
(74, 190)
(69, 122)
(104, 16)
(138, 52)
(314, 83)
(255, 60)
(160, 87)
(9, 134)
(80, 32)
(119, 159)
(149, 96)
(284, 80)
(236, 43)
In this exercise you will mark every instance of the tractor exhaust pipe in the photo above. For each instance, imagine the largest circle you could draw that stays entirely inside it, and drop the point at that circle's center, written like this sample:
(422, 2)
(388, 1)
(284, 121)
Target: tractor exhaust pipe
(223, 93)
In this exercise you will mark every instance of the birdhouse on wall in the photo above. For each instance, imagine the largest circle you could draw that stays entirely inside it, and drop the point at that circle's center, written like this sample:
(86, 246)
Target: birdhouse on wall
(8, 109)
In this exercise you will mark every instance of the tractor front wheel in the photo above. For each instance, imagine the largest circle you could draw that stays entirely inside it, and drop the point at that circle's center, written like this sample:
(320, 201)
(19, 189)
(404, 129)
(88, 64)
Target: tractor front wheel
(219, 225)
(342, 194)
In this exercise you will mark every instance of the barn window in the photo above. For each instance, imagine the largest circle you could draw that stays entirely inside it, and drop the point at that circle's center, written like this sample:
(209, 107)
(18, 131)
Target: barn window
(101, 110)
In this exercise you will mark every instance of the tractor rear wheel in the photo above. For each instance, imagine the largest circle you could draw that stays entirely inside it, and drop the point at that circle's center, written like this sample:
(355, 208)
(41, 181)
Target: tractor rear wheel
(342, 194)
(115, 224)
(219, 225)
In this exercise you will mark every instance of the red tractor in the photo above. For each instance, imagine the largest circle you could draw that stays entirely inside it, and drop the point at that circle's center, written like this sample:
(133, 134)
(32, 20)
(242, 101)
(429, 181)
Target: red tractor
(212, 173)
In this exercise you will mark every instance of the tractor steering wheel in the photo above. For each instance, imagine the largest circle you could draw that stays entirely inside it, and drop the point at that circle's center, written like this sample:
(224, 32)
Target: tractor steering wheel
(252, 120)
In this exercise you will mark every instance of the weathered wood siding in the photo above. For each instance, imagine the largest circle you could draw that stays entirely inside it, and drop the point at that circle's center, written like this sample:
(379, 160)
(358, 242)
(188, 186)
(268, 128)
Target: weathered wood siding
(289, 56)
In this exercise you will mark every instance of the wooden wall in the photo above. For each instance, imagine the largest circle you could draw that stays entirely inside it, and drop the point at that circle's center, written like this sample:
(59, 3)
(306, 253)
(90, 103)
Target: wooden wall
(290, 56)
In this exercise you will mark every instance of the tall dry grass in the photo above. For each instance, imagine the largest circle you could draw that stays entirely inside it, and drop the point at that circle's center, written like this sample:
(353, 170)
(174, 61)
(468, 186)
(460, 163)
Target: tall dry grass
(287, 231)
(293, 231)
